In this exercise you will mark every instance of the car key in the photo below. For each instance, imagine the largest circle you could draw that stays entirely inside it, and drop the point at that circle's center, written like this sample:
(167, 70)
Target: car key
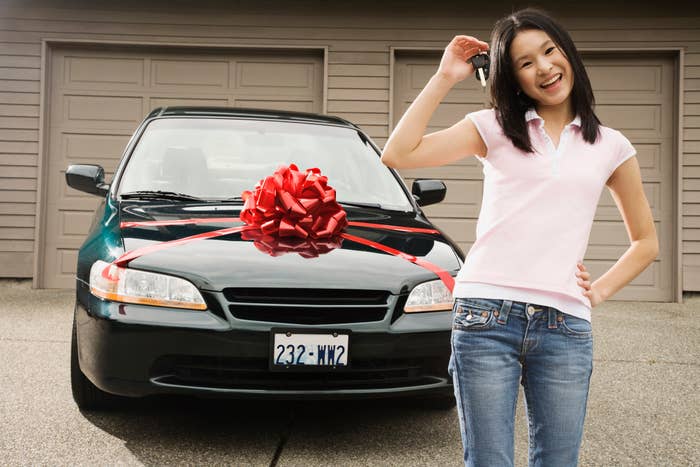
(481, 65)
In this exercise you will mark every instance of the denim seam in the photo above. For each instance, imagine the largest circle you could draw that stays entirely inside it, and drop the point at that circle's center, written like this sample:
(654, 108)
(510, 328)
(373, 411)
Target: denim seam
(530, 423)
(458, 391)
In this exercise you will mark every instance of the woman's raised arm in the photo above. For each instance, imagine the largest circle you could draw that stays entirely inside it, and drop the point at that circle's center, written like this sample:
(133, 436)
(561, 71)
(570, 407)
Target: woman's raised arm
(408, 146)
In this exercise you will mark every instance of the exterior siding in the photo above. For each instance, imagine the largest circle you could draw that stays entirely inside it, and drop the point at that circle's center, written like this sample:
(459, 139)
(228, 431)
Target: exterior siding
(358, 74)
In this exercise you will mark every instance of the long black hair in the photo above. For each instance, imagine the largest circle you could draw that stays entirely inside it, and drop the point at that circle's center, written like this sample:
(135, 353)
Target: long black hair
(509, 103)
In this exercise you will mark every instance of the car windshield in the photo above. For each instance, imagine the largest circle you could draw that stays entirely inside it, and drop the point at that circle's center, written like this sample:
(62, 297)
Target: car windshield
(217, 158)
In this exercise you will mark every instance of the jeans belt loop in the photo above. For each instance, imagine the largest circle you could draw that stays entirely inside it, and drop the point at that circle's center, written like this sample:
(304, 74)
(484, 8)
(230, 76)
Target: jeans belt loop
(552, 318)
(505, 310)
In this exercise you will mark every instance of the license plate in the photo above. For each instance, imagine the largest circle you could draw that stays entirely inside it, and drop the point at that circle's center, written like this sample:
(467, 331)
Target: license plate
(309, 349)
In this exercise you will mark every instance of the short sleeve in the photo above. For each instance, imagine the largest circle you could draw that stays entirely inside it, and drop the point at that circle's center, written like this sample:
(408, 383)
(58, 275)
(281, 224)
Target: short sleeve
(624, 150)
(483, 120)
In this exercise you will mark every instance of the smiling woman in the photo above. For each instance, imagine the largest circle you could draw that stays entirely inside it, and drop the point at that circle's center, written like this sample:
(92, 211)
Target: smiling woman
(546, 159)
(218, 158)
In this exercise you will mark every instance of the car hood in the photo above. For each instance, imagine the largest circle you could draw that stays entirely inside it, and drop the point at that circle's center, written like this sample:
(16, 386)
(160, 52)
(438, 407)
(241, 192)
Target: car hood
(228, 261)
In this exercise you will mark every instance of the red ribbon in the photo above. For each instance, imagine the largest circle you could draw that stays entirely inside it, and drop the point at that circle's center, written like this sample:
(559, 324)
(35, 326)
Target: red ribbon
(289, 211)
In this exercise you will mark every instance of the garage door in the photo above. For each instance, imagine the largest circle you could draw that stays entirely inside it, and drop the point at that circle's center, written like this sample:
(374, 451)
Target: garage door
(98, 97)
(634, 94)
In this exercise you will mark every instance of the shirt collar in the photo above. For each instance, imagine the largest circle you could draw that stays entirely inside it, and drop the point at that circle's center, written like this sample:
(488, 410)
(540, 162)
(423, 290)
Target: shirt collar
(531, 114)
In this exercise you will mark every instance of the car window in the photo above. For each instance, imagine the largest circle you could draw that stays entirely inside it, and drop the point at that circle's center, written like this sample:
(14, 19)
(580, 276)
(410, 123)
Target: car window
(216, 158)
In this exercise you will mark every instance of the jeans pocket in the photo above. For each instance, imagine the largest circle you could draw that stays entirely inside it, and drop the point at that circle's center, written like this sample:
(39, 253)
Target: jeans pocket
(576, 327)
(473, 314)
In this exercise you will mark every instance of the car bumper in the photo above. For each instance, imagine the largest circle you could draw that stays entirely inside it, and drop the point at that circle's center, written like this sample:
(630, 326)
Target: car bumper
(133, 359)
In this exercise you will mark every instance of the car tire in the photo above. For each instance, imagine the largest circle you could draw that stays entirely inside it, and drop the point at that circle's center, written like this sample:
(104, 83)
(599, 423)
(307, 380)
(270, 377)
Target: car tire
(85, 394)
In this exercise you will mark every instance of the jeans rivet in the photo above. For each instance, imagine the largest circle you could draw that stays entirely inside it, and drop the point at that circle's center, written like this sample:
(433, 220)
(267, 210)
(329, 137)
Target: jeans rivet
(484, 314)
(495, 313)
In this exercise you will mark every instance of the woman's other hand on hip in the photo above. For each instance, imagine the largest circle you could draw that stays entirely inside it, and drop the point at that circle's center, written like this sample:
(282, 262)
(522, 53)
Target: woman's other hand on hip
(589, 290)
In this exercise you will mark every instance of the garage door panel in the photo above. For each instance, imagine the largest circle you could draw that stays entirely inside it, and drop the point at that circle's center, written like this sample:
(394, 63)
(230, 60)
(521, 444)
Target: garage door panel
(269, 78)
(648, 156)
(95, 72)
(297, 106)
(156, 102)
(266, 75)
(625, 79)
(632, 120)
(68, 262)
(184, 75)
(98, 98)
(102, 111)
(88, 146)
(75, 223)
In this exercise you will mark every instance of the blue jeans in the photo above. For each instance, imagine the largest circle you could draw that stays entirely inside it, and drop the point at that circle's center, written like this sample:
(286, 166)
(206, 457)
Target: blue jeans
(495, 345)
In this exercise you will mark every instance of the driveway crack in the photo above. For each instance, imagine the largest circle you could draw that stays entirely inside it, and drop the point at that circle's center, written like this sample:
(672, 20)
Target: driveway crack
(284, 436)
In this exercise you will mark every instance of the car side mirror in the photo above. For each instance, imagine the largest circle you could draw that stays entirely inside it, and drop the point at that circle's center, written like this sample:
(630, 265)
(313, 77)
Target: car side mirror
(87, 178)
(428, 191)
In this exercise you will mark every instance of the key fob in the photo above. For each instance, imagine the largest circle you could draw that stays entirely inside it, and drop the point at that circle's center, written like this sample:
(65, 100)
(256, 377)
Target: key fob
(481, 64)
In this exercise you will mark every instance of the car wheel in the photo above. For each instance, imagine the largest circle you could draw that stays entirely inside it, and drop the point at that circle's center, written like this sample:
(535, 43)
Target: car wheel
(85, 394)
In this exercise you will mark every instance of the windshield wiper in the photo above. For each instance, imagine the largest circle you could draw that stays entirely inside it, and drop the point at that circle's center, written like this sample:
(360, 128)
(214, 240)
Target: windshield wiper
(157, 194)
(362, 205)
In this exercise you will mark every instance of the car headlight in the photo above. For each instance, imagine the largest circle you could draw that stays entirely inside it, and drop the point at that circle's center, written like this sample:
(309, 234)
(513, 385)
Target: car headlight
(429, 296)
(132, 286)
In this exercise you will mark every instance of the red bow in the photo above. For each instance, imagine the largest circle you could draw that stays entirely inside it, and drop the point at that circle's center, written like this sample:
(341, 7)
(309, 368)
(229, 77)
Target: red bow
(291, 203)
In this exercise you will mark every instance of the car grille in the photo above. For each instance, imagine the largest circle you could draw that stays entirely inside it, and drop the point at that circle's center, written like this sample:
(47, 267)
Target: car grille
(308, 306)
(253, 373)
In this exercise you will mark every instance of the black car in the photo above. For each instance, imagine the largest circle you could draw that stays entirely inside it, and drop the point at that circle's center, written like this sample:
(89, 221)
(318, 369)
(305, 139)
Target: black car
(173, 296)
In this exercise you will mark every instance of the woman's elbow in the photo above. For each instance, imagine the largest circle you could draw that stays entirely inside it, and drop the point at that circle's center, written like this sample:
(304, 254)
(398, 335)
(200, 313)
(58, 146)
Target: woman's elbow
(389, 160)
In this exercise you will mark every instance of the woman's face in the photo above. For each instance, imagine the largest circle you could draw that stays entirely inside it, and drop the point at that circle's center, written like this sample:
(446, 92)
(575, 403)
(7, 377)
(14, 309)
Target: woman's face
(542, 70)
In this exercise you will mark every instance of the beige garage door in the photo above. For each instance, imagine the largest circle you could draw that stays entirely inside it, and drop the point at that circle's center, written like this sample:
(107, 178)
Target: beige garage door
(98, 97)
(634, 94)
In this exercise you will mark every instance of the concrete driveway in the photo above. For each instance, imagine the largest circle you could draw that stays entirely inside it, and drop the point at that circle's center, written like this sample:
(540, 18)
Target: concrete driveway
(644, 406)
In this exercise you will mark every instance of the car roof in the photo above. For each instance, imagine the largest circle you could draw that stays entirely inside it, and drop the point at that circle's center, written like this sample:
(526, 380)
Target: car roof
(246, 112)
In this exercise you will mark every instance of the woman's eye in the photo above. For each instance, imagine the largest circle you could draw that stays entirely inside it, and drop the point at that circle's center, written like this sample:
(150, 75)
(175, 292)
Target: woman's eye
(549, 50)
(525, 64)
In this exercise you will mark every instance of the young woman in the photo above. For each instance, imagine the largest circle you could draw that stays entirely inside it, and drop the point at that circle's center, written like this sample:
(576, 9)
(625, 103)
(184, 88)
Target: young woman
(523, 297)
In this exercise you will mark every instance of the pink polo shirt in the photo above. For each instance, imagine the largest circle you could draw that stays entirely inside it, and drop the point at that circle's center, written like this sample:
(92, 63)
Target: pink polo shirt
(537, 213)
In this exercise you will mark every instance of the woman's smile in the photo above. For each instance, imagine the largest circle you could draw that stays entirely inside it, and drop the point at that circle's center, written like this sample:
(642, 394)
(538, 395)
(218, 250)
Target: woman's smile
(552, 82)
